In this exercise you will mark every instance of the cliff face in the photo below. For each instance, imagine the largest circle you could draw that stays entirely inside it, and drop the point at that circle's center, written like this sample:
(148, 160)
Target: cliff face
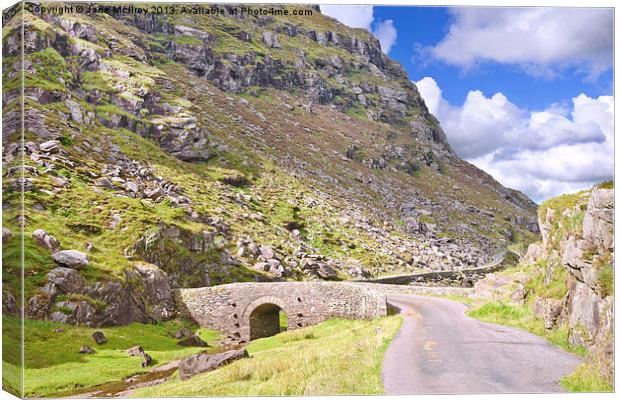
(580, 238)
(198, 150)
(567, 279)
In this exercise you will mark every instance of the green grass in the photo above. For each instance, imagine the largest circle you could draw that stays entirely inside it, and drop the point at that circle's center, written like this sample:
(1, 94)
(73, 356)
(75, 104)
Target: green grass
(11, 378)
(335, 357)
(556, 289)
(283, 321)
(188, 40)
(522, 317)
(606, 279)
(37, 262)
(605, 282)
(459, 299)
(95, 80)
(606, 185)
(53, 364)
(586, 378)
(520, 249)
(50, 67)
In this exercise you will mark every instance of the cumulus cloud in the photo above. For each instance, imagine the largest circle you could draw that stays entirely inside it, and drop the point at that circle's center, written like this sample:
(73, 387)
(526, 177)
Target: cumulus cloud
(356, 16)
(542, 153)
(541, 40)
(386, 33)
(353, 16)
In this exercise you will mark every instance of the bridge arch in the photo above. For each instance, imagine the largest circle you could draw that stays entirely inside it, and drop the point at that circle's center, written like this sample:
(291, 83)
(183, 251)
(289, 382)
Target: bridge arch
(263, 316)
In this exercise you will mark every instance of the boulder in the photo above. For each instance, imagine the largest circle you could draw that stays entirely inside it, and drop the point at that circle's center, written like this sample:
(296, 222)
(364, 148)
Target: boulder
(271, 39)
(196, 364)
(131, 186)
(135, 351)
(6, 235)
(273, 263)
(37, 307)
(75, 110)
(154, 289)
(66, 279)
(9, 304)
(535, 252)
(411, 225)
(46, 240)
(51, 146)
(99, 337)
(326, 272)
(262, 266)
(493, 286)
(193, 341)
(86, 350)
(183, 332)
(518, 295)
(146, 360)
(71, 258)
(267, 252)
(155, 193)
(182, 30)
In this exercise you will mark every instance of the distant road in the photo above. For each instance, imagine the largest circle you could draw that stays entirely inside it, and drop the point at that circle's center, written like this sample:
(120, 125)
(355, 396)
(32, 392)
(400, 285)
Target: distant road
(406, 279)
(441, 350)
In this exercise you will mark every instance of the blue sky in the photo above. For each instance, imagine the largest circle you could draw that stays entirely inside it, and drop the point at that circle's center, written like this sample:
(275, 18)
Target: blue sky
(426, 26)
(523, 93)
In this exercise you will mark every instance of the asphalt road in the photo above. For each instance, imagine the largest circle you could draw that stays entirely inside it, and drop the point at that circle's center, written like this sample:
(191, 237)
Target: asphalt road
(441, 350)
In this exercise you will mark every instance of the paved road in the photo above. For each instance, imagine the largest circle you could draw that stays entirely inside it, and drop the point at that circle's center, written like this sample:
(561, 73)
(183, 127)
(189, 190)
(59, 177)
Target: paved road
(441, 350)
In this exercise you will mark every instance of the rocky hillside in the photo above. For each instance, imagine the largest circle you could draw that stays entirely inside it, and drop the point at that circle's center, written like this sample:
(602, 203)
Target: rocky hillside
(567, 278)
(184, 150)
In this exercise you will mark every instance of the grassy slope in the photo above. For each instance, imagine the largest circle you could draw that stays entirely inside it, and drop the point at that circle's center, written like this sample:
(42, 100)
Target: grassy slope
(335, 357)
(53, 364)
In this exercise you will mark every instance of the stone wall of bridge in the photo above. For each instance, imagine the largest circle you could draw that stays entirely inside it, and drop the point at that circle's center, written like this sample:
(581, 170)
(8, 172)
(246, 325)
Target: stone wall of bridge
(246, 311)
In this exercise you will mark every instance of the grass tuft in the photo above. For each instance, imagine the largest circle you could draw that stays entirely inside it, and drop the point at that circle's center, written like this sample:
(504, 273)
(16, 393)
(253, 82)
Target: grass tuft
(586, 378)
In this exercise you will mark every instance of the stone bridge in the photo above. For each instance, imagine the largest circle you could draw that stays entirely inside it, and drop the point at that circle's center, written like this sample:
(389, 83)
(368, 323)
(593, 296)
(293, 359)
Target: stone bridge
(246, 311)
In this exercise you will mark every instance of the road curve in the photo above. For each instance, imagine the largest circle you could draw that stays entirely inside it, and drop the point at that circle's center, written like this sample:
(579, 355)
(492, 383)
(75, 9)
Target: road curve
(441, 350)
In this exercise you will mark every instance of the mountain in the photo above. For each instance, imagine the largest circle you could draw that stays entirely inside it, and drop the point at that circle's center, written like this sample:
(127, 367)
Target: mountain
(192, 149)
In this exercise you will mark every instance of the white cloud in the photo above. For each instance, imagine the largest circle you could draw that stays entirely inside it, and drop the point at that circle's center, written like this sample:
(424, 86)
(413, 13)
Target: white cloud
(363, 17)
(353, 16)
(540, 40)
(542, 153)
(386, 33)
(431, 93)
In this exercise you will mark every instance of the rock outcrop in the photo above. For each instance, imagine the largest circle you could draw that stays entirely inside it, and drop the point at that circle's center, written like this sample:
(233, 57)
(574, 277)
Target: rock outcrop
(144, 296)
(575, 262)
(590, 301)
(587, 254)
